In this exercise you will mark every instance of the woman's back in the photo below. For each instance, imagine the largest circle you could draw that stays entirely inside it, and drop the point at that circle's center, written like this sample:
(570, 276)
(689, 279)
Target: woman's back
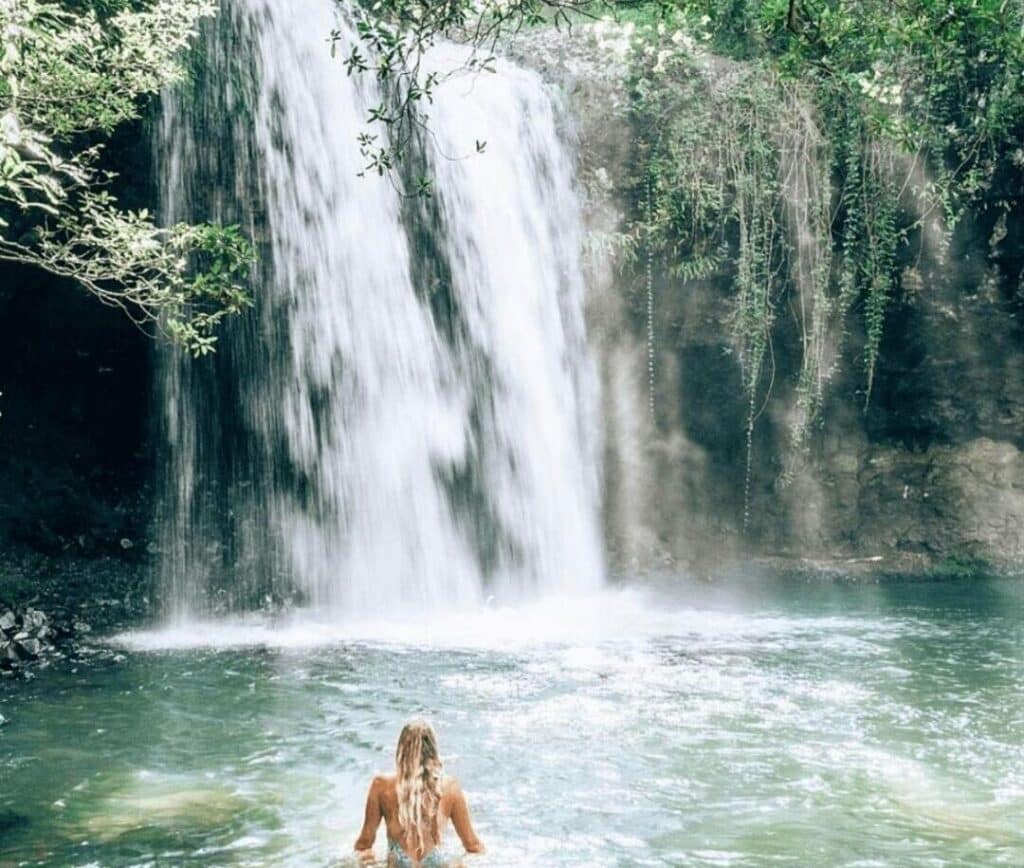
(416, 804)
(452, 806)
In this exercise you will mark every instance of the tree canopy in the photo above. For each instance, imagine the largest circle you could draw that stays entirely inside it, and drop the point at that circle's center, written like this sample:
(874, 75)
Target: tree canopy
(69, 75)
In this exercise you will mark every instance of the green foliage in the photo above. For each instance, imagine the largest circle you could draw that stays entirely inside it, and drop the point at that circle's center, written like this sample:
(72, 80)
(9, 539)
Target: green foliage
(393, 36)
(963, 566)
(67, 78)
(798, 168)
(739, 177)
(912, 111)
(870, 232)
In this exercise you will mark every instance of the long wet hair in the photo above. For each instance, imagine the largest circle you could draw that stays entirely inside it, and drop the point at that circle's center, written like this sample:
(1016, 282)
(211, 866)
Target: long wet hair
(418, 784)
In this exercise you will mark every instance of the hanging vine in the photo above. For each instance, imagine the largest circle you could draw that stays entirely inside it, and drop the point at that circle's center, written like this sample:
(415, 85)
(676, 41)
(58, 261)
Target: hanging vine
(806, 187)
(712, 198)
(649, 289)
(788, 190)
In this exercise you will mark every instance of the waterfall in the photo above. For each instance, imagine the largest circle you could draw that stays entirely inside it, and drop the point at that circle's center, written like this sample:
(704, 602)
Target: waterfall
(406, 418)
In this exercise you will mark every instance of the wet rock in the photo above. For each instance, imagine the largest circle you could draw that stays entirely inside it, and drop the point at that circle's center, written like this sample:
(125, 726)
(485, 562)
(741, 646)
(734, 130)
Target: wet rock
(11, 654)
(931, 468)
(34, 637)
(33, 619)
(32, 648)
(7, 620)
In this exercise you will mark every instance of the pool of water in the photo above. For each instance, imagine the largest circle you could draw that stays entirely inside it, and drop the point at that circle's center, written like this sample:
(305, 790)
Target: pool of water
(758, 725)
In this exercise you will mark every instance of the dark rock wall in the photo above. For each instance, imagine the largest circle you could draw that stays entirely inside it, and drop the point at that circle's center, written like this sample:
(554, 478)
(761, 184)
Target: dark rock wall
(928, 472)
(75, 377)
(76, 380)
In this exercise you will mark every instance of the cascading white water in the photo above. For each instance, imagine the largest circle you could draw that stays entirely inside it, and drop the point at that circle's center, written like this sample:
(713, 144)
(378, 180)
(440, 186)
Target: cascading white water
(512, 239)
(406, 419)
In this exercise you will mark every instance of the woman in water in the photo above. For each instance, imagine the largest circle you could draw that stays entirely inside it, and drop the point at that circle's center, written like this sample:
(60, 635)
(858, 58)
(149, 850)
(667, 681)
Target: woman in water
(416, 803)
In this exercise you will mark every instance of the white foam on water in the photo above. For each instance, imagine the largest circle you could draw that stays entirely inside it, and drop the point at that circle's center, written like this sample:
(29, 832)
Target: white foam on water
(614, 616)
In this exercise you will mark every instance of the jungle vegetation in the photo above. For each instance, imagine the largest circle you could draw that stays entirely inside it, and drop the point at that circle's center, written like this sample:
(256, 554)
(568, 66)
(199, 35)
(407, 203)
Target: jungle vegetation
(70, 74)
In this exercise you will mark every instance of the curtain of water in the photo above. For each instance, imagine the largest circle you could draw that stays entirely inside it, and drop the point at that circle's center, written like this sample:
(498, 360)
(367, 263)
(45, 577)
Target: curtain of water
(405, 419)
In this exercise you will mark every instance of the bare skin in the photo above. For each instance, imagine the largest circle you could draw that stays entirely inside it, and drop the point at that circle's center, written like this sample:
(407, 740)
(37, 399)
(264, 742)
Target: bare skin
(382, 804)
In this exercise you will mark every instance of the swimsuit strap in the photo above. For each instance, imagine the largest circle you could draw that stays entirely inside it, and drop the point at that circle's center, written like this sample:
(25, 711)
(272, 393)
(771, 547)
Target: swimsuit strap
(434, 859)
(403, 859)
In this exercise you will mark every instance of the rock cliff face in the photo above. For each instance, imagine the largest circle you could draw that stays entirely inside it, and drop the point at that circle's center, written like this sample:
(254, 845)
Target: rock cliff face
(75, 378)
(928, 475)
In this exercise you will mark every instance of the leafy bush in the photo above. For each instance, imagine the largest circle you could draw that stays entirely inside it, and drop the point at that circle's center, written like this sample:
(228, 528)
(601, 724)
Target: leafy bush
(68, 77)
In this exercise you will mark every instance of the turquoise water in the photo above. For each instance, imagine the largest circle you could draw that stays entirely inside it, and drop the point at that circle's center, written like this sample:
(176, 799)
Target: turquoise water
(754, 725)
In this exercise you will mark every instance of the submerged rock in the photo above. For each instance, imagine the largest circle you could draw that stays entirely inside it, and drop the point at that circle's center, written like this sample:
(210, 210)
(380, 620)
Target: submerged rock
(172, 803)
(9, 821)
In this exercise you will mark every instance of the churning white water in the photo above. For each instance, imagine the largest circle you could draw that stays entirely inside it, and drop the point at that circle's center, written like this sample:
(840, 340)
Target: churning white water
(406, 419)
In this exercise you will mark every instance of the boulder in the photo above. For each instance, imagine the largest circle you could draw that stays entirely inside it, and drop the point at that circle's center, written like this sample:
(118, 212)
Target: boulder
(33, 635)
(11, 653)
(33, 619)
(32, 648)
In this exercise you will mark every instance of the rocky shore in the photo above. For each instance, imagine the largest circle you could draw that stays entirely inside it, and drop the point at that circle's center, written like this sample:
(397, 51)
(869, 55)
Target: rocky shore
(51, 605)
(29, 635)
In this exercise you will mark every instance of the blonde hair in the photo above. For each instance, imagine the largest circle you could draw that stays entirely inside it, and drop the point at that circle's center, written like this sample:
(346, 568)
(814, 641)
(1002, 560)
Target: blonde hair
(418, 784)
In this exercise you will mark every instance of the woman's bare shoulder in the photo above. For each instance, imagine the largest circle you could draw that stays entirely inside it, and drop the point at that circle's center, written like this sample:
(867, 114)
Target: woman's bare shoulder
(383, 783)
(452, 787)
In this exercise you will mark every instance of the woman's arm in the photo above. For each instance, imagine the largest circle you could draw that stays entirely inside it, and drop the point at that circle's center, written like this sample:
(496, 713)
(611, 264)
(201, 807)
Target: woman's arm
(364, 843)
(461, 821)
